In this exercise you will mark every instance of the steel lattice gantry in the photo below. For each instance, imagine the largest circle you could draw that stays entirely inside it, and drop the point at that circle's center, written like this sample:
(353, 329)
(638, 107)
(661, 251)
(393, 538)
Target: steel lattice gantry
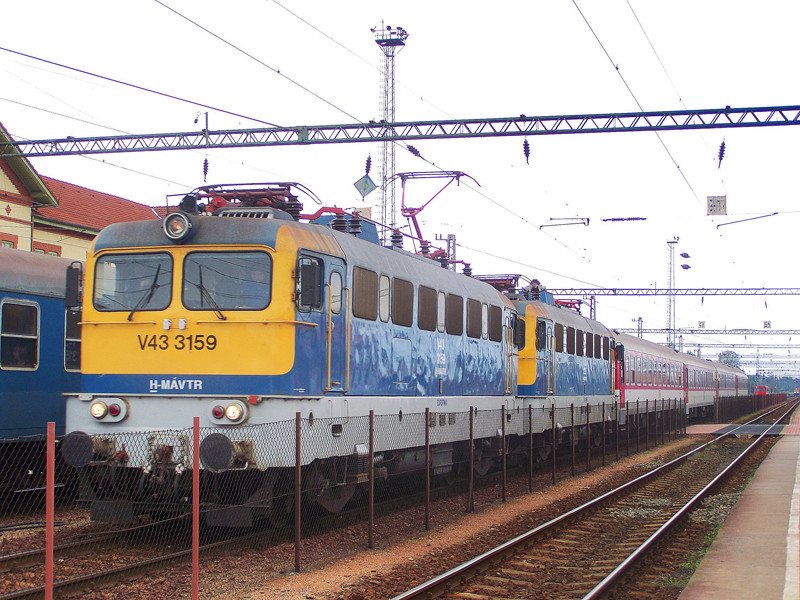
(415, 130)
(780, 291)
(692, 331)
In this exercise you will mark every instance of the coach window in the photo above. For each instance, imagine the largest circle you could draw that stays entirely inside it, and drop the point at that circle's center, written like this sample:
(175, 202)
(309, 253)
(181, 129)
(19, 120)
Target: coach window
(473, 318)
(383, 298)
(72, 341)
(365, 293)
(598, 346)
(426, 308)
(19, 335)
(336, 292)
(559, 337)
(441, 311)
(579, 338)
(589, 344)
(133, 282)
(495, 323)
(402, 302)
(570, 340)
(455, 314)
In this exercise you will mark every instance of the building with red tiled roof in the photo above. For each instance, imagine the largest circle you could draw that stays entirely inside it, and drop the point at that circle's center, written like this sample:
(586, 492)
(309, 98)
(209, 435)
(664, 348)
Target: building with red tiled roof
(42, 214)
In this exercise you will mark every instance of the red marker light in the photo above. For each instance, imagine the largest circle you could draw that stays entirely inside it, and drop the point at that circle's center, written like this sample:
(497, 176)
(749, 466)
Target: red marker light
(218, 412)
(114, 410)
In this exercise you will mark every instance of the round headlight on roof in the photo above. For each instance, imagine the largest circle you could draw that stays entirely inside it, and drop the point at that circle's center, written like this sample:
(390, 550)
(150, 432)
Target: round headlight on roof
(177, 226)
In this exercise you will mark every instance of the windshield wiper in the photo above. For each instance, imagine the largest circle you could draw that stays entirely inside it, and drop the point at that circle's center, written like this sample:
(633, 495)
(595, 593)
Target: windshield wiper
(204, 293)
(149, 295)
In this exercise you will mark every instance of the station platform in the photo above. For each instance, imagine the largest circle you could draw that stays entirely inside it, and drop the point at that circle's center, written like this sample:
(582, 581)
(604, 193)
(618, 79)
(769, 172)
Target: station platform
(757, 552)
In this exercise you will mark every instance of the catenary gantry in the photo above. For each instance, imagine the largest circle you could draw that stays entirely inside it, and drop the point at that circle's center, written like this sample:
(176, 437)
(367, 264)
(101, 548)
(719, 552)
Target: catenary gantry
(522, 125)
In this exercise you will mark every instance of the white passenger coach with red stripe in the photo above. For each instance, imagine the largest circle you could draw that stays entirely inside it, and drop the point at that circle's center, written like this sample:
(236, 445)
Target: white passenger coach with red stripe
(647, 372)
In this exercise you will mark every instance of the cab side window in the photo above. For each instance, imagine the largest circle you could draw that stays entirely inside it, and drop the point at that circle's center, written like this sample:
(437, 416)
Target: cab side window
(309, 283)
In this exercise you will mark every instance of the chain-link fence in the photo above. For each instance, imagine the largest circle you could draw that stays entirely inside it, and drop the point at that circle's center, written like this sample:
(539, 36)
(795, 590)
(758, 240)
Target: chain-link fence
(151, 496)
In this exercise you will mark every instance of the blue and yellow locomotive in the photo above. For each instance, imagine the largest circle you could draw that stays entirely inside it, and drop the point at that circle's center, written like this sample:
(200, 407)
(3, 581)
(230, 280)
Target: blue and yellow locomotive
(249, 316)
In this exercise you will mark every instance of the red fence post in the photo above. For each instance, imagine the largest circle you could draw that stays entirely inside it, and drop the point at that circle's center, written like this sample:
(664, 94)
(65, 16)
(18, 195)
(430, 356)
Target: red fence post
(297, 484)
(503, 433)
(470, 495)
(572, 434)
(196, 508)
(372, 479)
(427, 469)
(530, 448)
(555, 441)
(50, 511)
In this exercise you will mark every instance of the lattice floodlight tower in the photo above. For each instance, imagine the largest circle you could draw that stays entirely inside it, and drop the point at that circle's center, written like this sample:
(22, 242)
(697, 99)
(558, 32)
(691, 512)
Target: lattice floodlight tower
(391, 40)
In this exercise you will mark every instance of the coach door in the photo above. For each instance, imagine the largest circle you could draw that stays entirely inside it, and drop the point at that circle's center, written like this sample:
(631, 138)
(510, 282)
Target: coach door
(337, 300)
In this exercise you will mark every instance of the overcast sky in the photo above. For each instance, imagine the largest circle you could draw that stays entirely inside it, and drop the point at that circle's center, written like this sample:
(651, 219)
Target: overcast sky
(315, 62)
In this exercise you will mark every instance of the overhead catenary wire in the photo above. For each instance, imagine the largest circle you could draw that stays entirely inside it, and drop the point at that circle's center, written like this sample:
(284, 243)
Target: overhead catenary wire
(258, 60)
(635, 99)
(138, 87)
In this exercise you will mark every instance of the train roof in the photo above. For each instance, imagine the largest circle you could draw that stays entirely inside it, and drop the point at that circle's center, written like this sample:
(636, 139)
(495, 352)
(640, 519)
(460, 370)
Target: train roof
(214, 230)
(641, 345)
(33, 273)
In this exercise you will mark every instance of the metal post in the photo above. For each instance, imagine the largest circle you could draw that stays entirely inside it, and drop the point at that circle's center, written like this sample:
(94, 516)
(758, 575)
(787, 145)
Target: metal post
(553, 425)
(530, 448)
(503, 441)
(647, 424)
(588, 438)
(50, 511)
(470, 493)
(572, 434)
(371, 479)
(297, 483)
(603, 416)
(196, 508)
(616, 432)
(627, 431)
(427, 469)
(638, 426)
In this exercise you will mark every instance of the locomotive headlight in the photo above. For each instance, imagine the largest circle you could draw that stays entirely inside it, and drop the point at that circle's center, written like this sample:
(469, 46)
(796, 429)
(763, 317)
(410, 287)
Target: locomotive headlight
(233, 412)
(99, 410)
(177, 226)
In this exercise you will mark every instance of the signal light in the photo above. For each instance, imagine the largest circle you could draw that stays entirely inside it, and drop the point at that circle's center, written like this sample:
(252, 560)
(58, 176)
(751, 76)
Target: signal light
(218, 412)
(114, 410)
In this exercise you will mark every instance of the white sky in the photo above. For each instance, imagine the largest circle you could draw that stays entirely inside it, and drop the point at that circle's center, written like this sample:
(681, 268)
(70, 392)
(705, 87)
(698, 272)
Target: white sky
(462, 60)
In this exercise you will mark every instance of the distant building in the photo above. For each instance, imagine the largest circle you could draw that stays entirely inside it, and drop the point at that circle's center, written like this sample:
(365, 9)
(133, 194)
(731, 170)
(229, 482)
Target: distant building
(46, 215)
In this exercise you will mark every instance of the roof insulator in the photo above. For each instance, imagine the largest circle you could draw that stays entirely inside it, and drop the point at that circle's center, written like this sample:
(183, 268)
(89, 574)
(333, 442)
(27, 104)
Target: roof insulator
(526, 150)
(354, 225)
(397, 239)
(339, 223)
(721, 153)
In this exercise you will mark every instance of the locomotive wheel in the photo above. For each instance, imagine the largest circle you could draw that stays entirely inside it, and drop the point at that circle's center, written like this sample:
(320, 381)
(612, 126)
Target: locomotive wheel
(319, 487)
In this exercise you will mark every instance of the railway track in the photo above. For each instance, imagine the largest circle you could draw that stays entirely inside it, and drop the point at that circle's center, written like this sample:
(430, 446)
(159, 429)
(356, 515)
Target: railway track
(585, 552)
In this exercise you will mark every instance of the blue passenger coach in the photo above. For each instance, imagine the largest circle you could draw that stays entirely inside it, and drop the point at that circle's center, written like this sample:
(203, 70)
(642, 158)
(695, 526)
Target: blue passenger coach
(39, 357)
